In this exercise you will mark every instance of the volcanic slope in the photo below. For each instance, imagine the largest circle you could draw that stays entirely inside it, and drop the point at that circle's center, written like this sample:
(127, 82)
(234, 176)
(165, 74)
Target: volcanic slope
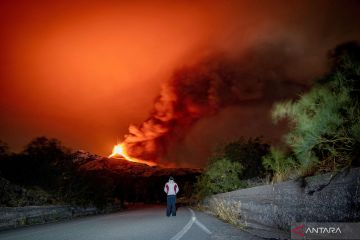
(121, 166)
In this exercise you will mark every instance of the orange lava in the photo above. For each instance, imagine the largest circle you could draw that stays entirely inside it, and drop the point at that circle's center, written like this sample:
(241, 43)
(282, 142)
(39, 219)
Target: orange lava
(119, 150)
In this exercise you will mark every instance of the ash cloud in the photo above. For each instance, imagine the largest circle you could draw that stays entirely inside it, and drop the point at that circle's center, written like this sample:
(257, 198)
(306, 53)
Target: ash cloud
(204, 89)
(270, 53)
(229, 94)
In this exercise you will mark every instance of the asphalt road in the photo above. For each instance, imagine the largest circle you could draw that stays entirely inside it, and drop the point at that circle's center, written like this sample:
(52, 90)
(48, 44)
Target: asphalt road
(148, 222)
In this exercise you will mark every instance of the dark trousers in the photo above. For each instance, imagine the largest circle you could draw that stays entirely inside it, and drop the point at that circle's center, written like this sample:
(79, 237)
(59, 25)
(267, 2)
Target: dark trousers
(171, 208)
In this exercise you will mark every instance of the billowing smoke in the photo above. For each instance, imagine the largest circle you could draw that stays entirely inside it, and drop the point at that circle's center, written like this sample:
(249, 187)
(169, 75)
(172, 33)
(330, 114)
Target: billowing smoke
(204, 89)
(268, 52)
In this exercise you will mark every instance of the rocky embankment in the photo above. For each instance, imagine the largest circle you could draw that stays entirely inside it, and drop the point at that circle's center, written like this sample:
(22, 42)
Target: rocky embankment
(269, 210)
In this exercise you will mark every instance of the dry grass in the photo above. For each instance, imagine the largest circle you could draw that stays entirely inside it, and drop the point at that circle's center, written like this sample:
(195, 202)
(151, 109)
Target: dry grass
(201, 207)
(284, 175)
(229, 211)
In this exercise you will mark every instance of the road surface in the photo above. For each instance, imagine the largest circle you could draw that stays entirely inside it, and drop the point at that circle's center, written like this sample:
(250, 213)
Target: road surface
(146, 223)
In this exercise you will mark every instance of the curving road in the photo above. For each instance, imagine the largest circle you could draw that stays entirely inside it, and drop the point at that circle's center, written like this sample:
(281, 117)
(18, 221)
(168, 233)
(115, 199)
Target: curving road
(148, 222)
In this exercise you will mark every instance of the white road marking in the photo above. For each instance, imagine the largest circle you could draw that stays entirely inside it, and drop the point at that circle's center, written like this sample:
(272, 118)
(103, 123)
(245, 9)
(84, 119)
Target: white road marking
(188, 226)
(202, 226)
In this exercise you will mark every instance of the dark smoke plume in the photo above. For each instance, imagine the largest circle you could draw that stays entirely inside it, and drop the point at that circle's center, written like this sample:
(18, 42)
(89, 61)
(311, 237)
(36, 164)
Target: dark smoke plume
(203, 90)
(224, 96)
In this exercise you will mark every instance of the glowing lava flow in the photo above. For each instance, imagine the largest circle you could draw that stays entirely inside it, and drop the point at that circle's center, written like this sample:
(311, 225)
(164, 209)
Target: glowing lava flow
(119, 150)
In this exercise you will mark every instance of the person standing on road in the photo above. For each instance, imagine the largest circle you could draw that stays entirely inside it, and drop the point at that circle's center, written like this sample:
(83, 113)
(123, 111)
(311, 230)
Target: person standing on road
(171, 188)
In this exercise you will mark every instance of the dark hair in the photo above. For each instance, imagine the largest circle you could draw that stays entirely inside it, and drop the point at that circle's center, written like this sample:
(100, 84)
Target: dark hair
(171, 178)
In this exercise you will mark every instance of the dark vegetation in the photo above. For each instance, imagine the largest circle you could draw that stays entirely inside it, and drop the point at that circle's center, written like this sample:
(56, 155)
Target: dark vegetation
(231, 165)
(47, 165)
(324, 134)
(46, 172)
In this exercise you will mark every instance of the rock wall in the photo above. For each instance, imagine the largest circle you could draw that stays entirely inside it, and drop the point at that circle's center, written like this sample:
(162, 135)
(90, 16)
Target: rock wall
(12, 217)
(270, 208)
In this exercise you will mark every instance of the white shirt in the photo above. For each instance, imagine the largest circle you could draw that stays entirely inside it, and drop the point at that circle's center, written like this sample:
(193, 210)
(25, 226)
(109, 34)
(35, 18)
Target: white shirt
(171, 188)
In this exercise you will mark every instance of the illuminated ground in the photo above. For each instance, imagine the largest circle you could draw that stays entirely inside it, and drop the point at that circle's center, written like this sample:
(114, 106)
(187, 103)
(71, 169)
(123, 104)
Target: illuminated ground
(144, 223)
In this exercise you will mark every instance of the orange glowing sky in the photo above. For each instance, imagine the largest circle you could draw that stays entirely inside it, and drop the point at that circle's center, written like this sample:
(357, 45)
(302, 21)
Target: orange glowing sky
(82, 72)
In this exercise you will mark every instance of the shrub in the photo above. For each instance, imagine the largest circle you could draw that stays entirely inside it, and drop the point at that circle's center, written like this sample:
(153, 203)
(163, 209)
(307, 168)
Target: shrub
(248, 153)
(279, 163)
(218, 177)
(4, 157)
(228, 211)
(224, 176)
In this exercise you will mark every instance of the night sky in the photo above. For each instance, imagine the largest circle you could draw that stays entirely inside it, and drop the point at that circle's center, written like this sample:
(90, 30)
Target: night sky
(83, 72)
